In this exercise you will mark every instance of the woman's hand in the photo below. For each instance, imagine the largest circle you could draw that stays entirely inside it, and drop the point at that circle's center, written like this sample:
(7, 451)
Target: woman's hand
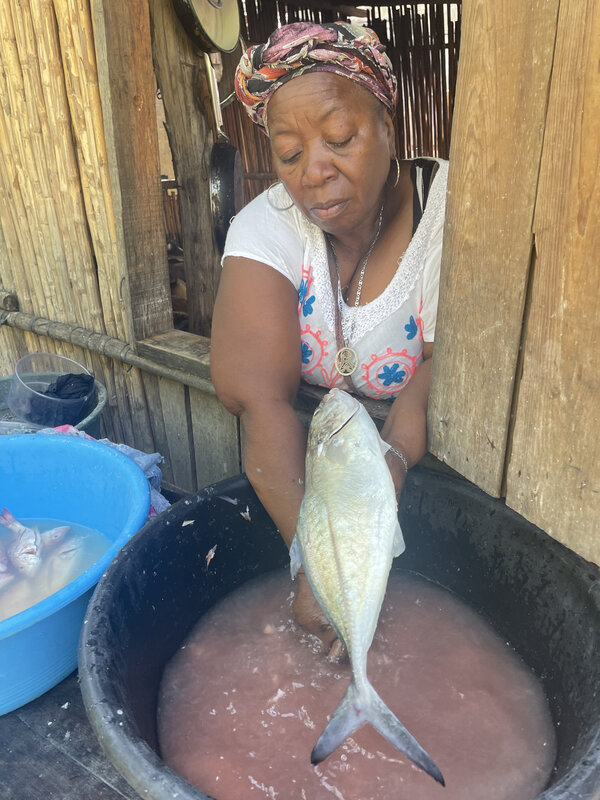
(310, 616)
(405, 428)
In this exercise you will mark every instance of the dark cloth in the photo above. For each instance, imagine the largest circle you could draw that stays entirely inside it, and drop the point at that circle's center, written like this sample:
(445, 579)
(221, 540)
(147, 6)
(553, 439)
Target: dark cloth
(71, 386)
(79, 396)
(429, 167)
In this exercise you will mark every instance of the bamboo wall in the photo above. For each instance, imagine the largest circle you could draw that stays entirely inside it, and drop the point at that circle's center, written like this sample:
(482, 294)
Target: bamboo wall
(422, 41)
(58, 247)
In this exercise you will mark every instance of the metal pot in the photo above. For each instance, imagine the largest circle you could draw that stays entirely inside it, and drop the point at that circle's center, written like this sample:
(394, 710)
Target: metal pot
(226, 171)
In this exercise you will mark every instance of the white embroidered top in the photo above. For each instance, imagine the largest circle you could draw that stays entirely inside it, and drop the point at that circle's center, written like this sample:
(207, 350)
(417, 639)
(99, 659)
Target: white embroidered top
(387, 333)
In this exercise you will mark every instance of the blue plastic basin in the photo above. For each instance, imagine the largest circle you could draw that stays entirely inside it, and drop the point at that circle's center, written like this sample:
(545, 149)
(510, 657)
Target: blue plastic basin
(79, 481)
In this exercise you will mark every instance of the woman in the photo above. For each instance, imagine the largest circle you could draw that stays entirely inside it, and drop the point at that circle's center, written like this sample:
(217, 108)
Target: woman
(331, 275)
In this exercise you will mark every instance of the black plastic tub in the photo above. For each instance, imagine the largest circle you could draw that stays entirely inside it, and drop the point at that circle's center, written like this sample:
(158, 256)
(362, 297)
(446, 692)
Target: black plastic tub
(539, 595)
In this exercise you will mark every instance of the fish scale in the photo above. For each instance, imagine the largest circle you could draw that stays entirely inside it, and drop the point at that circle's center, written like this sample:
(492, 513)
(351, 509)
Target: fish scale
(346, 538)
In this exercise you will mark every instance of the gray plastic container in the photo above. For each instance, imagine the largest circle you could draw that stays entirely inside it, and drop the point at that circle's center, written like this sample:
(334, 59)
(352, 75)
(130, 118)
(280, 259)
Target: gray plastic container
(10, 424)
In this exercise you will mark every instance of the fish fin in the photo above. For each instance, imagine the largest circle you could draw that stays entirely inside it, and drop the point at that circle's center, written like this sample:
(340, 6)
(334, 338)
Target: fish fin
(348, 717)
(398, 546)
(336, 453)
(295, 556)
(360, 706)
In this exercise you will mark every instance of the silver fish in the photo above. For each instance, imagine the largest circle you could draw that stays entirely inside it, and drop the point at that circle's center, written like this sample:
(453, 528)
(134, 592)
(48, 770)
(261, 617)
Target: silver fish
(24, 548)
(27, 544)
(6, 576)
(62, 565)
(58, 568)
(3, 560)
(346, 537)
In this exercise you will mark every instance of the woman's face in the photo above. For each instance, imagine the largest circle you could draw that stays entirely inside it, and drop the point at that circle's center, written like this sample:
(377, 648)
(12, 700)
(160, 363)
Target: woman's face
(332, 142)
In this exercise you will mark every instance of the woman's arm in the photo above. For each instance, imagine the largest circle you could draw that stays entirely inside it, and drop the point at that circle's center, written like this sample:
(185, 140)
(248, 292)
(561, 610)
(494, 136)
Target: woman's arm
(406, 425)
(255, 365)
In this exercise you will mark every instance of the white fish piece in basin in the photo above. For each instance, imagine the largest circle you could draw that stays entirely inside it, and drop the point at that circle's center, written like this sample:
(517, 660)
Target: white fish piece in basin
(24, 548)
(58, 568)
(27, 545)
(3, 560)
(346, 538)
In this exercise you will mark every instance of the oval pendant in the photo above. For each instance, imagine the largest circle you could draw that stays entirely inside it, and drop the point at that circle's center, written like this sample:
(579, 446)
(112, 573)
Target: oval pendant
(346, 360)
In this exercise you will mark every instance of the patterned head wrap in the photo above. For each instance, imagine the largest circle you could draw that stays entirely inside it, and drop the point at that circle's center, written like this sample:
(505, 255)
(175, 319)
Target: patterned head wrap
(293, 50)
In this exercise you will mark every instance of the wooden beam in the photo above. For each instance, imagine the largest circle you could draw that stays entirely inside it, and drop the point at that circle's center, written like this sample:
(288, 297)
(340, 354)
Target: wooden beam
(181, 75)
(178, 350)
(502, 88)
(126, 79)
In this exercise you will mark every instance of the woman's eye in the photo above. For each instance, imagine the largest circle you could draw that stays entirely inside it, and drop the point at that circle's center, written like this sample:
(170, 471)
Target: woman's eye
(289, 159)
(339, 145)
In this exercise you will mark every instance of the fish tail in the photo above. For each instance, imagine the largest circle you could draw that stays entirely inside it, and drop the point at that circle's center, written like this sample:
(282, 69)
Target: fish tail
(347, 718)
(361, 705)
(6, 518)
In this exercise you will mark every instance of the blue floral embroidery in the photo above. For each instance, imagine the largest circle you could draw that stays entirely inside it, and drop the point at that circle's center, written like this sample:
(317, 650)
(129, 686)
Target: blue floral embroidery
(411, 329)
(302, 291)
(391, 374)
(307, 306)
(306, 353)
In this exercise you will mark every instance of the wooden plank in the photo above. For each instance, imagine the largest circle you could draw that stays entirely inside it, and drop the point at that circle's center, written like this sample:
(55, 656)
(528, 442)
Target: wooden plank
(554, 470)
(157, 422)
(126, 79)
(180, 350)
(504, 70)
(35, 765)
(59, 717)
(181, 75)
(174, 401)
(216, 439)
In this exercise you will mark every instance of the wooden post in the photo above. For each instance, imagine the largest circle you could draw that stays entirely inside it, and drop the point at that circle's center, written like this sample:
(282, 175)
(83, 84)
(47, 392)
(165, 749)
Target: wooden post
(502, 88)
(181, 75)
(125, 75)
(554, 469)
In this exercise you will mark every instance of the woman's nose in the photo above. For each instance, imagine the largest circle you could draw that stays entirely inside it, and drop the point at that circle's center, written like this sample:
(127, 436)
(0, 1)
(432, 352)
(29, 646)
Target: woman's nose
(319, 166)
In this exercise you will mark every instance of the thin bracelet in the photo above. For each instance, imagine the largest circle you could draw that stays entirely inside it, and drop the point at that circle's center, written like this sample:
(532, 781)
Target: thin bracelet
(400, 455)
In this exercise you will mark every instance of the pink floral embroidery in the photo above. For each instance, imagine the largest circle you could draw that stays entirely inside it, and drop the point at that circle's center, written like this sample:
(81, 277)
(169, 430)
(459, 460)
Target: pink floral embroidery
(313, 350)
(387, 374)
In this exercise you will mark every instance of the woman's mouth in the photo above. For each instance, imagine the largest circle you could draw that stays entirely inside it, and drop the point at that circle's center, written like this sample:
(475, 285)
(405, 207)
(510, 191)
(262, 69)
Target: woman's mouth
(328, 211)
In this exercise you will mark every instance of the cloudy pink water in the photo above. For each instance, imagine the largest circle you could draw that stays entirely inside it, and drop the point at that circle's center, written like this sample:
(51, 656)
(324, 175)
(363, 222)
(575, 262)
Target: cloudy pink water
(244, 700)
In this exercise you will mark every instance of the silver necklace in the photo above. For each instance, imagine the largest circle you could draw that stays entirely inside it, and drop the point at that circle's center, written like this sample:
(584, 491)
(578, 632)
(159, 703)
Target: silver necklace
(346, 358)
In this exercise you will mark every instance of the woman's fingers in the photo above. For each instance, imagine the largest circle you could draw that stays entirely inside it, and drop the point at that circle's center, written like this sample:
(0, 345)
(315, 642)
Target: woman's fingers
(310, 616)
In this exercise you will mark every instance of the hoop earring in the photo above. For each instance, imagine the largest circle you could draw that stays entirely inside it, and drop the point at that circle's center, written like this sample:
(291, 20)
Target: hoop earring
(397, 163)
(270, 200)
